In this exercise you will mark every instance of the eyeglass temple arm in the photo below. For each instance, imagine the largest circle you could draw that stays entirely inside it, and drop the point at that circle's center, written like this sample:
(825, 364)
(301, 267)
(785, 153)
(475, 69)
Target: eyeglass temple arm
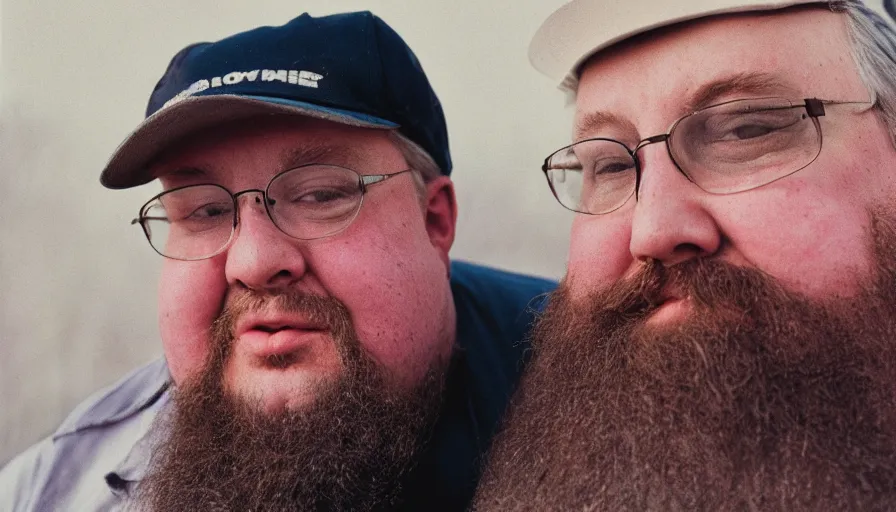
(140, 220)
(372, 179)
(816, 107)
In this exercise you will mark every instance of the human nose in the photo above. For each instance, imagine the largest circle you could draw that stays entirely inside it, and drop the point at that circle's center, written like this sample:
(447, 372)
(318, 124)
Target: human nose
(671, 223)
(261, 257)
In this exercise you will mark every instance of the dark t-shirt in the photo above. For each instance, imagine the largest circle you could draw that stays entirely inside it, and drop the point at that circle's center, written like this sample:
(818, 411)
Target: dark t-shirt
(495, 310)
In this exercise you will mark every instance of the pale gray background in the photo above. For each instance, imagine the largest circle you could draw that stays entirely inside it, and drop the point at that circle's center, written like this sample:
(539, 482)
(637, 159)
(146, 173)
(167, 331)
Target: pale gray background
(77, 309)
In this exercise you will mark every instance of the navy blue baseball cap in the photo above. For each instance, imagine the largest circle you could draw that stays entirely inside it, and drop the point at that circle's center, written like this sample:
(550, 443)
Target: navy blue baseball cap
(347, 68)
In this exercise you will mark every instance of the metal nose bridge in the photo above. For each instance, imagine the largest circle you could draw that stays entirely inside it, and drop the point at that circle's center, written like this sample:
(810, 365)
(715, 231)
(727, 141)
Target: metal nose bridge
(260, 195)
(264, 196)
(663, 137)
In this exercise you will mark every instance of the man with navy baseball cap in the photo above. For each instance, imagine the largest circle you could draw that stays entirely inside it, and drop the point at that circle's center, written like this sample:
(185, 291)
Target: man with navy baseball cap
(321, 350)
(725, 337)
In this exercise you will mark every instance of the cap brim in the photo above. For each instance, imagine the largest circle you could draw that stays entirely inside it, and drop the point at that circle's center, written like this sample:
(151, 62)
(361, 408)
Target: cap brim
(581, 28)
(129, 165)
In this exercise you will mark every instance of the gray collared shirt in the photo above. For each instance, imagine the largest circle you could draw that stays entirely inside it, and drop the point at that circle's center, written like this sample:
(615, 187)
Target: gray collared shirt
(98, 454)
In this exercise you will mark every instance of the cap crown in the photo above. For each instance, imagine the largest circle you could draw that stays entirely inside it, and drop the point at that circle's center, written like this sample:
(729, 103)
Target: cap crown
(353, 62)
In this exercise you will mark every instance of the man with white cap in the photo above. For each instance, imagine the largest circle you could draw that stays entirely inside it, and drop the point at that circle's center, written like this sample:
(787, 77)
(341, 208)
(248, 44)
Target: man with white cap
(725, 338)
(321, 351)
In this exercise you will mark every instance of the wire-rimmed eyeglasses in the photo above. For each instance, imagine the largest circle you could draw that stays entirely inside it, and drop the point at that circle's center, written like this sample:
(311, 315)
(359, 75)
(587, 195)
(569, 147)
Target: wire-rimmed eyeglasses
(725, 148)
(307, 202)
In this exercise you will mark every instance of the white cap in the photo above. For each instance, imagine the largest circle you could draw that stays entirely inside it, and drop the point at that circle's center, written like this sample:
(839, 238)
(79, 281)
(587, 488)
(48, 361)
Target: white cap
(581, 28)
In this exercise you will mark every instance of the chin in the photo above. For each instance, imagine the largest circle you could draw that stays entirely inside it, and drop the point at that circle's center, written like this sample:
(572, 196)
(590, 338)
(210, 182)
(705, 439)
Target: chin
(277, 389)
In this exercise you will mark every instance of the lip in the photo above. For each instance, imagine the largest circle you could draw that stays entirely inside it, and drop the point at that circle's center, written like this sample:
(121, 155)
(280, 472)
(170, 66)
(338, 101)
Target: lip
(273, 335)
(669, 306)
(275, 322)
(670, 301)
(669, 294)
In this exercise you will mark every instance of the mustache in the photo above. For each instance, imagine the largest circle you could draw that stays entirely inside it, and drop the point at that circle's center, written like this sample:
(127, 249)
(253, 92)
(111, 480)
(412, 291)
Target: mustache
(327, 311)
(709, 283)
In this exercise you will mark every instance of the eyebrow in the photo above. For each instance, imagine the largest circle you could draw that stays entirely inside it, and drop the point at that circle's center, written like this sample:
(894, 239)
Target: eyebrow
(752, 84)
(321, 154)
(592, 122)
(747, 84)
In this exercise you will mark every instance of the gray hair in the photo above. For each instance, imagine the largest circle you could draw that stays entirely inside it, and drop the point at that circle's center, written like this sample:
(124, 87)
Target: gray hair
(874, 51)
(416, 157)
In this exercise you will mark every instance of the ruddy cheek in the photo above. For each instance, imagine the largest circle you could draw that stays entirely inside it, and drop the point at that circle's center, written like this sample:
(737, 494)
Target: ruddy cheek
(599, 252)
(190, 298)
(809, 239)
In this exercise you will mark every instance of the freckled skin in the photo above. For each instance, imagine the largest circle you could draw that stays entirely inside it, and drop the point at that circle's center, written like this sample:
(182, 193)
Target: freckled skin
(809, 229)
(389, 267)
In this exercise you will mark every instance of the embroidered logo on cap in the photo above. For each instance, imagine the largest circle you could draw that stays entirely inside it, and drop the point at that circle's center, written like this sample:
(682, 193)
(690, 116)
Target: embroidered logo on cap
(290, 76)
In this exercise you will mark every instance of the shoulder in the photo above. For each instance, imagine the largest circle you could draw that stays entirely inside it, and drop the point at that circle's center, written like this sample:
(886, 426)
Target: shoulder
(506, 302)
(495, 310)
(121, 400)
(21, 475)
(32, 477)
(499, 290)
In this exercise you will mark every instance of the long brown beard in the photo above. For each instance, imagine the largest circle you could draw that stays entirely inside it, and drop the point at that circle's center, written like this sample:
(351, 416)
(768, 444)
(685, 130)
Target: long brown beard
(761, 400)
(349, 450)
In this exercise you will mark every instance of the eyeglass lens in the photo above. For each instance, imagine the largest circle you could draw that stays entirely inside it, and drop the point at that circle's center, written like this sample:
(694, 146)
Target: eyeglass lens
(727, 148)
(197, 221)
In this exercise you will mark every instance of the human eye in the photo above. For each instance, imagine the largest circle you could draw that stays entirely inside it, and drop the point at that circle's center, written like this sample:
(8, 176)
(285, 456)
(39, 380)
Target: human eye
(198, 217)
(197, 202)
(751, 138)
(600, 159)
(751, 126)
(316, 198)
(609, 165)
(319, 195)
(211, 211)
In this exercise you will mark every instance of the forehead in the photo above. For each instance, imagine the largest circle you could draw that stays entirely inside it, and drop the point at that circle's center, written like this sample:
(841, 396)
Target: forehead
(267, 145)
(650, 81)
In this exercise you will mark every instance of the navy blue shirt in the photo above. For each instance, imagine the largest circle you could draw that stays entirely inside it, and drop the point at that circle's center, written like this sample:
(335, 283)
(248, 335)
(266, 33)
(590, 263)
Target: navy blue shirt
(495, 310)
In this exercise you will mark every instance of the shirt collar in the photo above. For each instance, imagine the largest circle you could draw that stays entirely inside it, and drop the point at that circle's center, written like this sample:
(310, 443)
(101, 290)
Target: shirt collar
(133, 468)
(129, 396)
